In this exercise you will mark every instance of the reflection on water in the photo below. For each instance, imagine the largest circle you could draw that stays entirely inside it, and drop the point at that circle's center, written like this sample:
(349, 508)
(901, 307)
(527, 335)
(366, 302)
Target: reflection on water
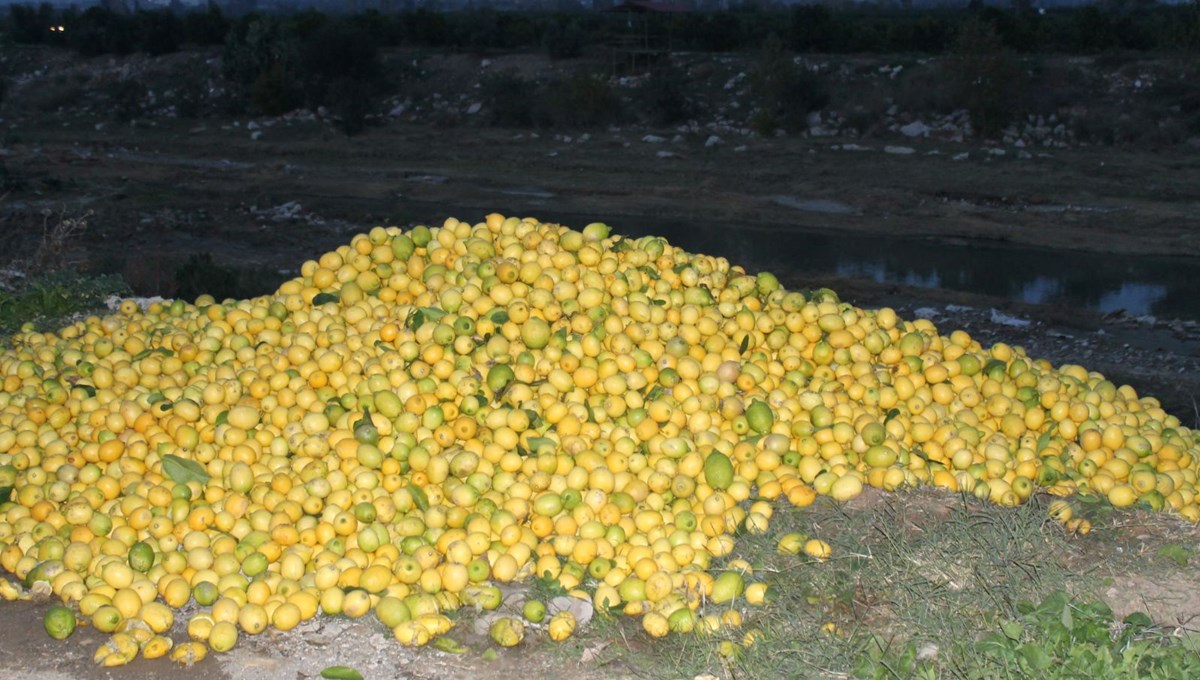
(1106, 283)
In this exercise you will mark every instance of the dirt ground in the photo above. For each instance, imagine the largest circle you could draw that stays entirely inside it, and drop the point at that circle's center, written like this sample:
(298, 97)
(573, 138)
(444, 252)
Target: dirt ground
(155, 193)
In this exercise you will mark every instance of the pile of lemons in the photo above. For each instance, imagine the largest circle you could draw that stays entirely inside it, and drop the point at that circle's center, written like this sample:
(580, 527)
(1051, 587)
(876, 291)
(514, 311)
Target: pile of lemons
(420, 416)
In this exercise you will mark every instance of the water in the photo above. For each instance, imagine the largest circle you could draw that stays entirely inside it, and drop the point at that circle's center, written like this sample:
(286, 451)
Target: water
(1162, 286)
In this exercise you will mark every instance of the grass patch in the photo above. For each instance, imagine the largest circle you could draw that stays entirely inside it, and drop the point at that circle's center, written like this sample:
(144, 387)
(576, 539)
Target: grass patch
(920, 584)
(46, 301)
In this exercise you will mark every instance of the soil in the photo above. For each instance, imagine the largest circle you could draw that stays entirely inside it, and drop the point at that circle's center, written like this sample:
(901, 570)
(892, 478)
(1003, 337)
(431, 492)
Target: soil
(157, 191)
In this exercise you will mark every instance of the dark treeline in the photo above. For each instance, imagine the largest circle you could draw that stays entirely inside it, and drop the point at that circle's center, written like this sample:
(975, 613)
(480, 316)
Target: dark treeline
(1139, 25)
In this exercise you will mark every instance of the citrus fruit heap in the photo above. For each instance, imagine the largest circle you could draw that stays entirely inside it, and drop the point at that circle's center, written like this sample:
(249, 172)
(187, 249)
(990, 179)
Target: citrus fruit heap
(421, 415)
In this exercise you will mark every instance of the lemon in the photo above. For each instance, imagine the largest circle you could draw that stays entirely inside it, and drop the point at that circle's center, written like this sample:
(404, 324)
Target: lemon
(59, 622)
(534, 611)
(718, 470)
(141, 556)
(759, 416)
(728, 586)
(507, 631)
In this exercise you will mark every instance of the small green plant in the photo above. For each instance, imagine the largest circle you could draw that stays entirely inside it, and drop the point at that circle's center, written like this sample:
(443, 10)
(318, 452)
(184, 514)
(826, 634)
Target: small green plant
(1062, 638)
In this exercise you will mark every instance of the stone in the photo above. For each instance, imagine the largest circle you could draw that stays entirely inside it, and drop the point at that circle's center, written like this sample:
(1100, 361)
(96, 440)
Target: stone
(899, 150)
(915, 129)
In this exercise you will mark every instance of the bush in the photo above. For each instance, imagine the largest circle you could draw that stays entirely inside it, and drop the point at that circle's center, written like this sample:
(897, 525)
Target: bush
(207, 27)
(663, 96)
(261, 59)
(337, 51)
(584, 100)
(509, 98)
(200, 275)
(985, 78)
(784, 94)
(125, 99)
(563, 42)
(159, 32)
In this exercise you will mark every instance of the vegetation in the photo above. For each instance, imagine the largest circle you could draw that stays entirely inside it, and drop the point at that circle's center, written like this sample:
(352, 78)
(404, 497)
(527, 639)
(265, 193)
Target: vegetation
(1141, 26)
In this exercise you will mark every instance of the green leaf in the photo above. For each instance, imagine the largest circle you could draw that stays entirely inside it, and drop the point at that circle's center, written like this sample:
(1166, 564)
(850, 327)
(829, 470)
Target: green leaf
(892, 413)
(5, 493)
(499, 316)
(1013, 630)
(182, 470)
(341, 673)
(658, 302)
(432, 314)
(222, 418)
(536, 443)
(325, 298)
(1044, 440)
(489, 654)
(745, 344)
(419, 498)
(450, 646)
(1176, 553)
(1036, 657)
(88, 389)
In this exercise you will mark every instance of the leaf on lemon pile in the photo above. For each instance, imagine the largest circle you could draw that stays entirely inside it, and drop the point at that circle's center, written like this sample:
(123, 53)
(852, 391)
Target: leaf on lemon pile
(182, 470)
(419, 498)
(745, 344)
(325, 298)
(341, 673)
(536, 443)
(5, 493)
(423, 314)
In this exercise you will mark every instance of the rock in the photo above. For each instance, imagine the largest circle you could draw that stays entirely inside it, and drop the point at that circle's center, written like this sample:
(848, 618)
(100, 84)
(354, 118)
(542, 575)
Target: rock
(474, 108)
(915, 129)
(961, 156)
(1024, 155)
(814, 119)
(855, 147)
(712, 141)
(485, 63)
(899, 150)
(743, 147)
(653, 139)
(996, 152)
(256, 135)
(667, 154)
(253, 125)
(397, 111)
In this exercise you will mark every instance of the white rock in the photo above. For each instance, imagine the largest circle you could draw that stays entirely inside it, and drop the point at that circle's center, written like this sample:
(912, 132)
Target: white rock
(666, 154)
(1003, 319)
(961, 156)
(814, 119)
(997, 152)
(252, 125)
(899, 150)
(915, 129)
(712, 141)
(653, 139)
(474, 108)
(485, 63)
(740, 148)
(855, 147)
(256, 135)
